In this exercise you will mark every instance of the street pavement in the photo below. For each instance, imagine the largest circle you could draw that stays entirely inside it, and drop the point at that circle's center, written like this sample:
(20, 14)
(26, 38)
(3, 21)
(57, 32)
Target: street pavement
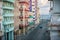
(37, 34)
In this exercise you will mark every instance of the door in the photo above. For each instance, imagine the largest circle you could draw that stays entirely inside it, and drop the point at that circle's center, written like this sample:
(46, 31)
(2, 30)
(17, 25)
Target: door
(7, 36)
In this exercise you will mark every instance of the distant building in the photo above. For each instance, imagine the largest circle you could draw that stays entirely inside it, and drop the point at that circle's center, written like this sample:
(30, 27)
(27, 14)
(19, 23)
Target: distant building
(34, 10)
(46, 17)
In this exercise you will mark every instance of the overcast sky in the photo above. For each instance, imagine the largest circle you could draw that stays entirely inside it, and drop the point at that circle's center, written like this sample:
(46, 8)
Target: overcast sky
(44, 7)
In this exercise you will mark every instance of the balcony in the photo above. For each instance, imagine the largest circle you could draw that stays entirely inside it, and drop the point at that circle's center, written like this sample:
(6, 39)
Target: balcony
(55, 28)
(31, 23)
(26, 16)
(21, 26)
(11, 8)
(8, 22)
(20, 9)
(9, 29)
(20, 17)
(8, 15)
(27, 9)
(24, 2)
(31, 17)
(12, 1)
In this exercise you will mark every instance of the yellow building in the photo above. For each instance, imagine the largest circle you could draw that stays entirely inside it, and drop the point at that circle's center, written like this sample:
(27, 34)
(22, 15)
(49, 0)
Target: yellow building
(16, 17)
(38, 16)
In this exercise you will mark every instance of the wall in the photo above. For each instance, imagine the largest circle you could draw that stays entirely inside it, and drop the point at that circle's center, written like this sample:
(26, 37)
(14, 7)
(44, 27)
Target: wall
(56, 7)
(16, 15)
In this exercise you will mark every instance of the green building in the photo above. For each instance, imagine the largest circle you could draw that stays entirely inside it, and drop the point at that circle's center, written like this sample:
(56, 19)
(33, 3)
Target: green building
(8, 22)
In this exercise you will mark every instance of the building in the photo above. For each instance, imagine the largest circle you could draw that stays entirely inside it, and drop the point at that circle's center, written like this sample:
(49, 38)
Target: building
(38, 16)
(34, 10)
(16, 17)
(8, 20)
(30, 20)
(55, 19)
(24, 10)
(1, 27)
(34, 15)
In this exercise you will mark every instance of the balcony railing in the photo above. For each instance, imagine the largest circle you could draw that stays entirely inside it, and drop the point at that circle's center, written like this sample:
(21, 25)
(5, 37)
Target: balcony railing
(20, 17)
(20, 9)
(11, 8)
(12, 1)
(8, 22)
(8, 15)
(24, 2)
(21, 26)
(26, 9)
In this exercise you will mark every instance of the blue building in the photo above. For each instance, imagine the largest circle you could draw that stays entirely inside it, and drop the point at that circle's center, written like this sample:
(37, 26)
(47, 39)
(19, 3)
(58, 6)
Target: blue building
(8, 22)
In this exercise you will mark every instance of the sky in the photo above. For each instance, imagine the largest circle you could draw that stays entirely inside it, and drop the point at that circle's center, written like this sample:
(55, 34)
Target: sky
(44, 7)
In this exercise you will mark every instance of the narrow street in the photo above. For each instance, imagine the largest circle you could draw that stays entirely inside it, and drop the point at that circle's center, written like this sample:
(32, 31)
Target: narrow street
(36, 34)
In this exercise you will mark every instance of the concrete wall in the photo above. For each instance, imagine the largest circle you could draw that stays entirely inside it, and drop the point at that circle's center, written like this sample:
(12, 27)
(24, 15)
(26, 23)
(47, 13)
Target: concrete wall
(56, 4)
(16, 15)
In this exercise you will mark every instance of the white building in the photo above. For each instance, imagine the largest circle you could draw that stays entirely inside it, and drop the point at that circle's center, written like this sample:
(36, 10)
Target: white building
(55, 19)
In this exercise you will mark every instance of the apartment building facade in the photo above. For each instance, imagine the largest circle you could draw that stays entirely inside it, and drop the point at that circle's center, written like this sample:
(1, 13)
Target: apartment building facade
(8, 20)
(55, 19)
